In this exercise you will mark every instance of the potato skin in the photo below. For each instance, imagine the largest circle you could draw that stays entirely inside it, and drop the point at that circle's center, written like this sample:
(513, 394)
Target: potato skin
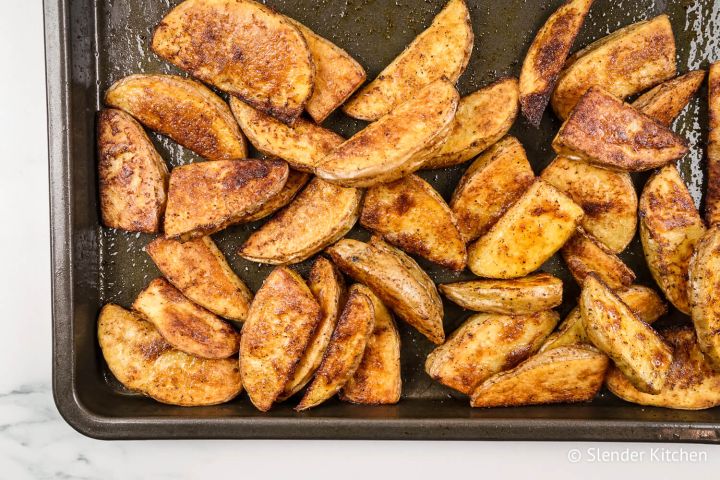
(665, 102)
(584, 254)
(295, 181)
(712, 201)
(132, 175)
(703, 288)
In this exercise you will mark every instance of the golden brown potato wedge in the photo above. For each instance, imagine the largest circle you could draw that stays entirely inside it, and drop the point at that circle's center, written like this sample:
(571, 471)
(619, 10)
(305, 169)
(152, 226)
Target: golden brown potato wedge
(410, 214)
(395, 145)
(206, 197)
(712, 202)
(319, 216)
(665, 102)
(606, 132)
(567, 374)
(140, 358)
(530, 294)
(278, 329)
(345, 350)
(529, 233)
(482, 118)
(200, 271)
(670, 226)
(546, 57)
(295, 181)
(441, 51)
(397, 279)
(133, 176)
(704, 294)
(637, 350)
(243, 48)
(490, 186)
(584, 254)
(485, 344)
(625, 62)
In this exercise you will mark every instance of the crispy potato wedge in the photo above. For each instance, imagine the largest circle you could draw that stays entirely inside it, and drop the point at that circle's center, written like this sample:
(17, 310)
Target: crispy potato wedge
(691, 383)
(704, 294)
(546, 57)
(531, 294)
(665, 102)
(295, 181)
(637, 350)
(410, 214)
(625, 62)
(712, 201)
(482, 118)
(345, 350)
(243, 48)
(485, 344)
(604, 131)
(200, 271)
(490, 186)
(529, 233)
(567, 374)
(670, 226)
(394, 146)
(206, 197)
(441, 51)
(584, 254)
(397, 279)
(278, 329)
(140, 358)
(133, 176)
(377, 380)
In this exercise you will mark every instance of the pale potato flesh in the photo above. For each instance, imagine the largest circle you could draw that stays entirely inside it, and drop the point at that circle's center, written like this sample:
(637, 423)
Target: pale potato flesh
(704, 294)
(295, 182)
(584, 254)
(665, 102)
(712, 202)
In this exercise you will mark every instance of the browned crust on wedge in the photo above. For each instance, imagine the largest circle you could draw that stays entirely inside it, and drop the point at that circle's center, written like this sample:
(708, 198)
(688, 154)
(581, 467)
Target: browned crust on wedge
(584, 255)
(296, 180)
(712, 201)
(665, 102)
(704, 294)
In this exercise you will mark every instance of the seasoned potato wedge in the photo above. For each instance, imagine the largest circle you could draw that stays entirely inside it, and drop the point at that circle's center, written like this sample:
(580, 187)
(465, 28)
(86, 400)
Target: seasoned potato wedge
(482, 118)
(410, 214)
(184, 110)
(394, 146)
(567, 374)
(529, 233)
(691, 383)
(670, 226)
(583, 255)
(665, 102)
(377, 380)
(345, 350)
(133, 176)
(278, 329)
(625, 62)
(704, 294)
(397, 279)
(604, 131)
(200, 271)
(206, 197)
(140, 358)
(486, 344)
(531, 294)
(546, 57)
(243, 48)
(319, 216)
(637, 350)
(490, 186)
(441, 51)
(295, 181)
(712, 201)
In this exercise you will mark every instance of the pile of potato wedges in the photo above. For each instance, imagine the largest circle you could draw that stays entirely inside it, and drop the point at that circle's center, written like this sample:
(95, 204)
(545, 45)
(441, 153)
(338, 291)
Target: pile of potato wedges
(259, 79)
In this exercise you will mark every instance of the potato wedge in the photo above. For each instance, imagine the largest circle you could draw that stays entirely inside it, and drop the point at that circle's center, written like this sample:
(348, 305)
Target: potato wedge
(584, 254)
(665, 102)
(278, 329)
(345, 350)
(625, 62)
(691, 382)
(704, 294)
(567, 374)
(206, 197)
(490, 186)
(243, 48)
(441, 51)
(303, 145)
(670, 226)
(482, 118)
(712, 201)
(295, 181)
(377, 380)
(604, 131)
(200, 271)
(529, 233)
(133, 176)
(182, 109)
(394, 146)
(485, 344)
(397, 279)
(530, 294)
(140, 358)
(546, 57)
(410, 214)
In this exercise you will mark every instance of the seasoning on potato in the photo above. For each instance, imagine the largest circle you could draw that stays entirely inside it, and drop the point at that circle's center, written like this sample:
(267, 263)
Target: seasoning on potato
(584, 255)
(704, 281)
(665, 102)
(712, 202)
